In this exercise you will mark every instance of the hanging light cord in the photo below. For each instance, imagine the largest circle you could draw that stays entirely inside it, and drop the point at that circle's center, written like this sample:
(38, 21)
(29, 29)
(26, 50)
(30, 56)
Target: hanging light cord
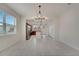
(39, 9)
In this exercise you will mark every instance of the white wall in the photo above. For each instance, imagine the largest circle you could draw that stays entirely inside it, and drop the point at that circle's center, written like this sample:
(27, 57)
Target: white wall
(69, 28)
(8, 40)
(52, 26)
(23, 27)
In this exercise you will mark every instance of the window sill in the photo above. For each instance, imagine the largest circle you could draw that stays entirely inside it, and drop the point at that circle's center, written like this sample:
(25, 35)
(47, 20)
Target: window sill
(8, 34)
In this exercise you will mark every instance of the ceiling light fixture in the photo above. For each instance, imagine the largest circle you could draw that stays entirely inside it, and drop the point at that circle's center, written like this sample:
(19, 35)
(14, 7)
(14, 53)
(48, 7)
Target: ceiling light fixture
(39, 16)
(41, 21)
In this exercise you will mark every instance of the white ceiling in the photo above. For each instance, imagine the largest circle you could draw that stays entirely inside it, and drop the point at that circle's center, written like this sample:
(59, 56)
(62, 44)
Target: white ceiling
(48, 9)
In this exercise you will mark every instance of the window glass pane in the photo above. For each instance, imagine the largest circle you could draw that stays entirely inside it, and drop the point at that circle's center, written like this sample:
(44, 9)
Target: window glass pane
(2, 13)
(10, 23)
(10, 20)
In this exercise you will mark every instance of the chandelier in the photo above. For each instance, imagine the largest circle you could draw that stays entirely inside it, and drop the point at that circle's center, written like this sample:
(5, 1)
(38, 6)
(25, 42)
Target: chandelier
(39, 16)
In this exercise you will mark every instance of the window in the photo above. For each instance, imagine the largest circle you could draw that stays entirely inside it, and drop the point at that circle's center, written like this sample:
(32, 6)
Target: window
(10, 24)
(7, 23)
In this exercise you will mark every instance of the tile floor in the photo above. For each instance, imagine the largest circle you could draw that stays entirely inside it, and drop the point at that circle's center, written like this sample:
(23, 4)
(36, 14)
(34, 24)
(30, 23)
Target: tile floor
(40, 47)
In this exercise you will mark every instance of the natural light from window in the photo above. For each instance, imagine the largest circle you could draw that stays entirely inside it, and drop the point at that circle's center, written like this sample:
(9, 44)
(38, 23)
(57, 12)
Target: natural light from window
(7, 23)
